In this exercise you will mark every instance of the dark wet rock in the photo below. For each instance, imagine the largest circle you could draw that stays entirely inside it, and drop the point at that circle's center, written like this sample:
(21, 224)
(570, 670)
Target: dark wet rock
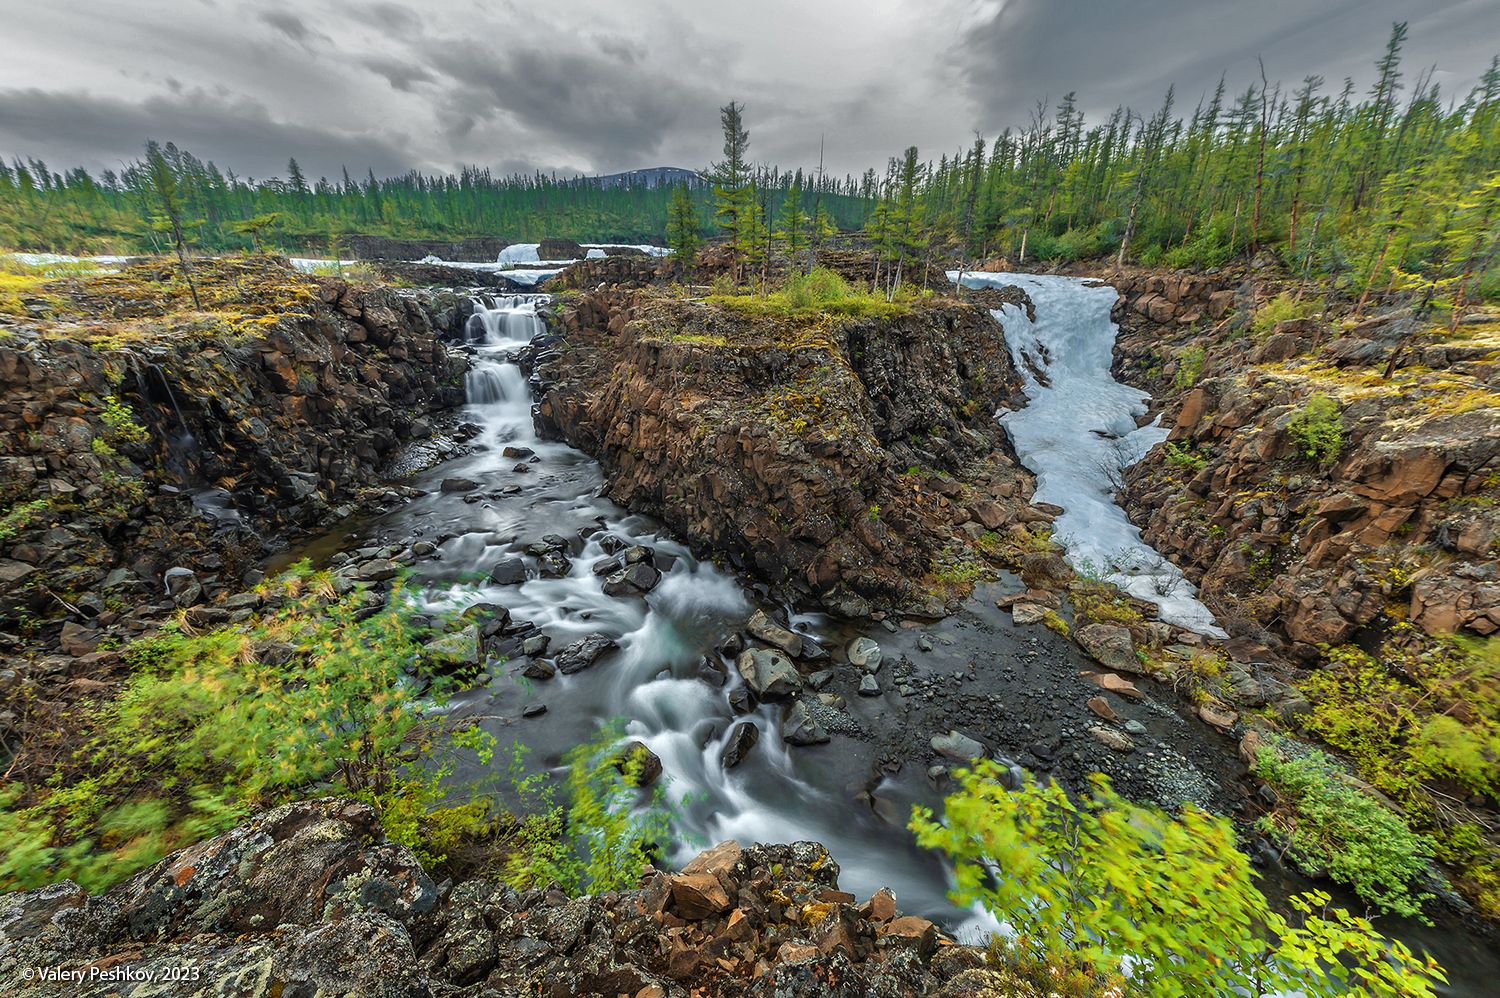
(554, 565)
(535, 645)
(458, 485)
(539, 669)
(534, 710)
(712, 671)
(516, 451)
(183, 586)
(740, 701)
(508, 572)
(642, 576)
(769, 674)
(800, 727)
(636, 753)
(742, 738)
(583, 653)
(869, 686)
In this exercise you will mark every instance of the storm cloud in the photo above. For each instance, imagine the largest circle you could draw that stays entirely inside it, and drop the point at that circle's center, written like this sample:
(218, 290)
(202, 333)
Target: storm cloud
(595, 86)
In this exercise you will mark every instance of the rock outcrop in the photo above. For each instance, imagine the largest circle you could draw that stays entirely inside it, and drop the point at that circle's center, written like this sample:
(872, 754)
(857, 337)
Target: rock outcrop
(153, 441)
(836, 457)
(311, 899)
(1396, 524)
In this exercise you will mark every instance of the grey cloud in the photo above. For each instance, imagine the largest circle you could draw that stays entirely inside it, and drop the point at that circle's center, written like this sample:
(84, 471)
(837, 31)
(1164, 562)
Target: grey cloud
(594, 98)
(292, 26)
(401, 75)
(1112, 53)
(102, 132)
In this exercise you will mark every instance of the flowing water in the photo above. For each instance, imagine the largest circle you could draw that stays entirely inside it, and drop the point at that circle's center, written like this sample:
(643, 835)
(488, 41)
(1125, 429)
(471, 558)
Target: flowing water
(652, 682)
(1079, 432)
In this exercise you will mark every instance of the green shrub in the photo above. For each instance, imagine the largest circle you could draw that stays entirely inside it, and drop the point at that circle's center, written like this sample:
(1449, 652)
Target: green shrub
(1317, 430)
(1330, 824)
(819, 293)
(1189, 367)
(212, 726)
(1110, 889)
(1186, 457)
(1283, 308)
(21, 516)
(120, 427)
(601, 839)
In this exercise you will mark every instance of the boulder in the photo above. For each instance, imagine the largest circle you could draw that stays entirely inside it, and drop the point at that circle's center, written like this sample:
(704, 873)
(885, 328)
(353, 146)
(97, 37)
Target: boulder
(698, 895)
(508, 572)
(456, 650)
(583, 653)
(764, 628)
(958, 746)
(637, 753)
(768, 673)
(863, 653)
(458, 485)
(742, 738)
(799, 727)
(1111, 646)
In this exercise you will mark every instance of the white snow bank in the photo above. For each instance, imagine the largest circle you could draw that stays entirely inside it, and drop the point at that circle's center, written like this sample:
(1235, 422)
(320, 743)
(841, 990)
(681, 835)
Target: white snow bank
(1078, 433)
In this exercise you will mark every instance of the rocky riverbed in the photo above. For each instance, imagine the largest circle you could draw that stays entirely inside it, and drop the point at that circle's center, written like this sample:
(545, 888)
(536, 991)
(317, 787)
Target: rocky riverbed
(885, 604)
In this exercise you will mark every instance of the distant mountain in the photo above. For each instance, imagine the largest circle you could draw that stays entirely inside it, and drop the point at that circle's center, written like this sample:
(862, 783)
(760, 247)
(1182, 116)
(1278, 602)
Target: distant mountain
(653, 176)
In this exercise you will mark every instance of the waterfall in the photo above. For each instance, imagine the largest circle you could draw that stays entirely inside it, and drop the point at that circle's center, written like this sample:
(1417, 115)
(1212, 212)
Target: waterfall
(1078, 434)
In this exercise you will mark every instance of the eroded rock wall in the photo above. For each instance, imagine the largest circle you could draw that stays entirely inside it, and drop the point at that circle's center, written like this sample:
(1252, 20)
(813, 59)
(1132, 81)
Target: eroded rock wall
(835, 457)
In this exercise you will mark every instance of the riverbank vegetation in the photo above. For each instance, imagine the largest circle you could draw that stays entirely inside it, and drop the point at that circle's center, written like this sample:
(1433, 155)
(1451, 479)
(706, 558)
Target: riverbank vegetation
(1103, 895)
(324, 692)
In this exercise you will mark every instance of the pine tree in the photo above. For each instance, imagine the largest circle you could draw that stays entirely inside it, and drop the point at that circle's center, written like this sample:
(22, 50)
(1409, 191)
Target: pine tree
(683, 234)
(733, 201)
(163, 181)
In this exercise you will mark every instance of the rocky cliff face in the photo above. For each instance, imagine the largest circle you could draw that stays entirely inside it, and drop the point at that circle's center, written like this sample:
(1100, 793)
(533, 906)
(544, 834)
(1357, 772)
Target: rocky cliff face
(1395, 523)
(147, 441)
(836, 457)
(310, 899)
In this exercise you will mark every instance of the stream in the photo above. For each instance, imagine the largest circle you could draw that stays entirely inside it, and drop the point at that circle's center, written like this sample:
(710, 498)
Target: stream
(1020, 689)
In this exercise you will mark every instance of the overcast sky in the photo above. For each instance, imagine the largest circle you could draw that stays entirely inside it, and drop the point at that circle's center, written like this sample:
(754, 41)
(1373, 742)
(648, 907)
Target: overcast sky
(603, 85)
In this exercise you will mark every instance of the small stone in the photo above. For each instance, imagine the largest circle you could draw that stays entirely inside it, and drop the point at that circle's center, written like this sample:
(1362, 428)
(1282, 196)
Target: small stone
(1101, 708)
(534, 710)
(1111, 738)
(458, 485)
(868, 686)
(958, 746)
(763, 627)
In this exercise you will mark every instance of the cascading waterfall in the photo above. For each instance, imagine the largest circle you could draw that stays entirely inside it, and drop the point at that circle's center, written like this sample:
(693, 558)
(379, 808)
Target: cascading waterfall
(1078, 434)
(653, 680)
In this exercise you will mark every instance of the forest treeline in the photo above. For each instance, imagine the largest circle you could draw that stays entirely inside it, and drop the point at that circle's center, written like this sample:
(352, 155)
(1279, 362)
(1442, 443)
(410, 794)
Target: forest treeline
(1394, 188)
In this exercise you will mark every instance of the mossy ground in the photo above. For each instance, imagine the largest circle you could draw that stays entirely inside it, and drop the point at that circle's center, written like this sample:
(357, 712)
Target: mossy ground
(152, 301)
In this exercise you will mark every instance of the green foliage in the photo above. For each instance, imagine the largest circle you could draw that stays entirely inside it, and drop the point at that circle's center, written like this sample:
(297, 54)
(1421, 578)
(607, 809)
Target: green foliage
(120, 427)
(816, 295)
(1110, 889)
(1418, 716)
(21, 516)
(1284, 308)
(1330, 824)
(1185, 456)
(599, 840)
(211, 726)
(1317, 430)
(1189, 367)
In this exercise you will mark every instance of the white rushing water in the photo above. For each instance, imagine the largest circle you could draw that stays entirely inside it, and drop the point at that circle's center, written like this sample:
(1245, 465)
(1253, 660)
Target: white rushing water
(1078, 434)
(653, 681)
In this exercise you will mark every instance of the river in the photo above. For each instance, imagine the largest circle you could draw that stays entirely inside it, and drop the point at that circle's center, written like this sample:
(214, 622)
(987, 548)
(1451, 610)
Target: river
(1018, 689)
